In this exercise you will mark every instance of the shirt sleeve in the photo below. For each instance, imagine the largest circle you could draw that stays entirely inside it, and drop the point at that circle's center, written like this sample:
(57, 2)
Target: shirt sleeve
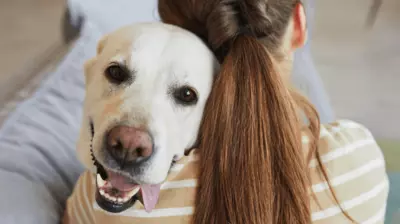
(79, 209)
(356, 169)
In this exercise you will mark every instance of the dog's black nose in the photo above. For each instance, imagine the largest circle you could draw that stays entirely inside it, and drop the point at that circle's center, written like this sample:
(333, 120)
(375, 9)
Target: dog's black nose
(128, 145)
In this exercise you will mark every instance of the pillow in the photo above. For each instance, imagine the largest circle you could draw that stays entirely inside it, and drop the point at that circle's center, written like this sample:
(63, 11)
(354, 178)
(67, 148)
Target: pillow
(101, 12)
(38, 166)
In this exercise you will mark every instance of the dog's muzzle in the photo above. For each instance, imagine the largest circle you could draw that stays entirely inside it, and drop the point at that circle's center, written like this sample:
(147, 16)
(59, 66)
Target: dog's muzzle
(127, 147)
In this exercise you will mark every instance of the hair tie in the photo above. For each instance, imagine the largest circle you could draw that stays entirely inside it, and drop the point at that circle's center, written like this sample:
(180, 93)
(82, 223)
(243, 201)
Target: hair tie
(223, 50)
(246, 31)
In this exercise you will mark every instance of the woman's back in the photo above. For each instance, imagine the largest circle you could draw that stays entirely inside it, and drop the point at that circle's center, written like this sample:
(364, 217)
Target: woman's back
(356, 169)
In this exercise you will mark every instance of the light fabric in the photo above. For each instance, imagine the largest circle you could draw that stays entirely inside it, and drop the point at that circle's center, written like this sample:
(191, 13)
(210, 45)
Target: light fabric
(103, 13)
(38, 165)
(353, 160)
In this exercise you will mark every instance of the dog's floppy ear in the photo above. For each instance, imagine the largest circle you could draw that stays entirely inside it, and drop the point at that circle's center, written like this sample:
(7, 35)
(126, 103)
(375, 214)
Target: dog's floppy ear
(89, 63)
(102, 42)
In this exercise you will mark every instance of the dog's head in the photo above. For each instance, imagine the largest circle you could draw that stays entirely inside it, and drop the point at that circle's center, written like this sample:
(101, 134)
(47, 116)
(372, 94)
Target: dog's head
(145, 94)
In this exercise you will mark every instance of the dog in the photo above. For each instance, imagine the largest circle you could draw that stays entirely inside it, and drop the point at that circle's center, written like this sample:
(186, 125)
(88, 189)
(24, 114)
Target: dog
(146, 90)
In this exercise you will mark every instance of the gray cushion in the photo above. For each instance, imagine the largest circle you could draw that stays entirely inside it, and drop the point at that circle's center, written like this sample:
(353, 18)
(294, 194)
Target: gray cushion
(38, 167)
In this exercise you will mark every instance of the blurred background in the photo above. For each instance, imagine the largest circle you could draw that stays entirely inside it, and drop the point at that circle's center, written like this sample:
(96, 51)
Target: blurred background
(31, 42)
(355, 46)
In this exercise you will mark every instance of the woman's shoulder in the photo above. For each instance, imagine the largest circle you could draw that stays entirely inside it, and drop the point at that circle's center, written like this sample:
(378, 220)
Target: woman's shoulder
(345, 127)
(345, 133)
(344, 140)
(356, 168)
(347, 140)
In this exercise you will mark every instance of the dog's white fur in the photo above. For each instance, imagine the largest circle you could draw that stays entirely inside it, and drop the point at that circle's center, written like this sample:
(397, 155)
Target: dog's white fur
(160, 57)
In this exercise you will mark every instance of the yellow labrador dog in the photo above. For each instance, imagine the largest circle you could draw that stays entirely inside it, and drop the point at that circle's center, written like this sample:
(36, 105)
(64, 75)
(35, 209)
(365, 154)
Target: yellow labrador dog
(145, 94)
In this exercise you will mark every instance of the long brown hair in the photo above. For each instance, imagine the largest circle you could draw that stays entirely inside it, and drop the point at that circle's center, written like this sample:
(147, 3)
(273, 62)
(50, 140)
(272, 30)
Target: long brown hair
(253, 168)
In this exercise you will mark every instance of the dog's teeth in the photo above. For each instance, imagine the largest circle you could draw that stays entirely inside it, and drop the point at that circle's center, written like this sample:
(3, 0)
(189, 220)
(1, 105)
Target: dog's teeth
(133, 192)
(103, 184)
(130, 194)
(100, 181)
(107, 196)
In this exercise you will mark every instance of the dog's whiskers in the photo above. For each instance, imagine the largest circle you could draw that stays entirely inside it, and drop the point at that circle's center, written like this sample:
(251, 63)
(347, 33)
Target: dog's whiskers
(100, 169)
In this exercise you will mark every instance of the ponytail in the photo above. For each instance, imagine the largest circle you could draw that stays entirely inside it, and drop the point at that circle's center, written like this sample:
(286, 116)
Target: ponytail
(252, 166)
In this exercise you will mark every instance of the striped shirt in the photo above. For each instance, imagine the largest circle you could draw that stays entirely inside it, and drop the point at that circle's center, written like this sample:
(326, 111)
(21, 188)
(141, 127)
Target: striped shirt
(353, 160)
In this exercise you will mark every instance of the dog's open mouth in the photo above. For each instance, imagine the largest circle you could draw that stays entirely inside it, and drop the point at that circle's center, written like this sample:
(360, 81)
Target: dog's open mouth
(114, 196)
(116, 192)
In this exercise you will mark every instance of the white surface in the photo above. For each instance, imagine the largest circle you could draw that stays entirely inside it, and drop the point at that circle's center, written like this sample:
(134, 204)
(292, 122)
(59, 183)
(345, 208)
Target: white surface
(108, 15)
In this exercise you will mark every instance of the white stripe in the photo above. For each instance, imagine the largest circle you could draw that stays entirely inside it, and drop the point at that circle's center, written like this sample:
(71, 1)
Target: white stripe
(379, 216)
(305, 139)
(351, 124)
(371, 165)
(79, 196)
(350, 203)
(179, 184)
(341, 151)
(343, 124)
(141, 213)
(323, 132)
(335, 129)
(178, 167)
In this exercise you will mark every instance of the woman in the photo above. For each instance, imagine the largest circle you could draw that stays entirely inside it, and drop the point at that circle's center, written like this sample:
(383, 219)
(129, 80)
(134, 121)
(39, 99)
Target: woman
(254, 167)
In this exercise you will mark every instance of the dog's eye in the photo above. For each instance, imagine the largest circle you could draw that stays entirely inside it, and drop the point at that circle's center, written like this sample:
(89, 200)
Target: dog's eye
(185, 95)
(117, 74)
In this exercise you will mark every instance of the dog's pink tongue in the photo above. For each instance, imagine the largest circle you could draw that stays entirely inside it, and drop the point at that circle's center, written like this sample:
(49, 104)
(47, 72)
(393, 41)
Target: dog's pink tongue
(150, 195)
(120, 182)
